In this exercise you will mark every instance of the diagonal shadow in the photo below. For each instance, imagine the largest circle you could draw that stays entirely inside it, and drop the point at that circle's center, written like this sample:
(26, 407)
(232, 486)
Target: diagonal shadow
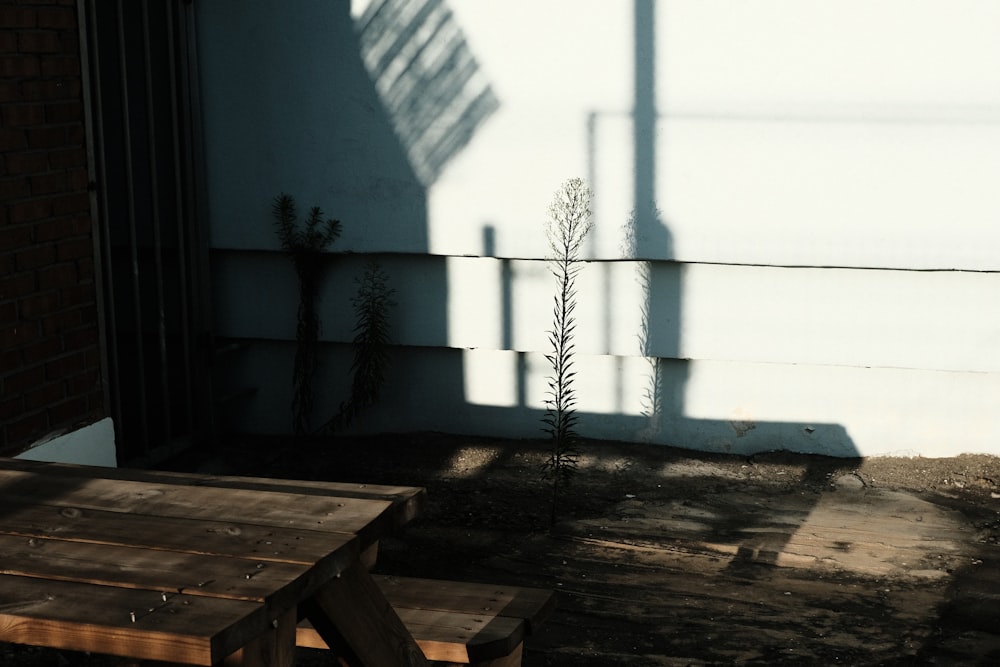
(427, 78)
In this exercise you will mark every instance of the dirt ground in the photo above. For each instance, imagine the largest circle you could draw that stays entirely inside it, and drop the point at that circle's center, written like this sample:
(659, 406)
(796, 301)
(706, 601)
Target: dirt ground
(664, 556)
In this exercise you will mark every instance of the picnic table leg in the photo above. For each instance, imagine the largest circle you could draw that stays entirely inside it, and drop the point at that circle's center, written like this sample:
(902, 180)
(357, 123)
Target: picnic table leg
(370, 555)
(351, 614)
(275, 648)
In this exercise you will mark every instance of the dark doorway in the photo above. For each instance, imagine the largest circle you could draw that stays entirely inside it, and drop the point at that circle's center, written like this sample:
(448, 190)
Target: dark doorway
(142, 101)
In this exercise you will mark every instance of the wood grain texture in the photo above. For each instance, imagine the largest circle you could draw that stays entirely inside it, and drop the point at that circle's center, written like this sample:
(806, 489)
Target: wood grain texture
(407, 501)
(85, 617)
(446, 636)
(205, 536)
(533, 605)
(179, 571)
(458, 622)
(348, 602)
(363, 517)
(274, 648)
(170, 572)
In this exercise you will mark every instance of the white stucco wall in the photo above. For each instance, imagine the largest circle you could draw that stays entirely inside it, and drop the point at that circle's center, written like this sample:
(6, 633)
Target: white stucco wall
(810, 133)
(93, 445)
(823, 258)
(288, 108)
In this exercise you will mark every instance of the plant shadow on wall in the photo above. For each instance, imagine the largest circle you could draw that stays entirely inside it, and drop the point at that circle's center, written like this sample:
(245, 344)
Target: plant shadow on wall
(372, 303)
(304, 246)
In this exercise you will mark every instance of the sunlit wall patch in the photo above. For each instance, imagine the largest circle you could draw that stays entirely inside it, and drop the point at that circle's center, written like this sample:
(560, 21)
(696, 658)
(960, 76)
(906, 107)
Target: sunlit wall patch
(492, 377)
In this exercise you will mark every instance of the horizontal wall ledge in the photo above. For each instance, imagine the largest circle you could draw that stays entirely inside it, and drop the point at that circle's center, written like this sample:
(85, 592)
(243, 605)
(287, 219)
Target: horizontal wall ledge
(730, 407)
(944, 321)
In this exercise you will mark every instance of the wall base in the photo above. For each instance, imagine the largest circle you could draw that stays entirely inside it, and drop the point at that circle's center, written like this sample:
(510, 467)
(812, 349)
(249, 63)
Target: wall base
(91, 445)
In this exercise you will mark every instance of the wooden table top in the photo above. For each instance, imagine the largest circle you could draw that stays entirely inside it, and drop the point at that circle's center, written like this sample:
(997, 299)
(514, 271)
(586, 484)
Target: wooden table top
(167, 566)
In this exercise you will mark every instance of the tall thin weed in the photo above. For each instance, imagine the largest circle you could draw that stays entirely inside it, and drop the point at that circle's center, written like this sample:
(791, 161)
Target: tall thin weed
(568, 225)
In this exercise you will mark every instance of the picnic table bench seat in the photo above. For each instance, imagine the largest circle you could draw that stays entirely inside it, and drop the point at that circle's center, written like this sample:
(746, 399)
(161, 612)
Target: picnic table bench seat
(459, 623)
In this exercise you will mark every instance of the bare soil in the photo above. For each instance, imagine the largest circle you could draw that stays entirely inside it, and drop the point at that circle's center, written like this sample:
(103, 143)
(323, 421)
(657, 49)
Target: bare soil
(665, 556)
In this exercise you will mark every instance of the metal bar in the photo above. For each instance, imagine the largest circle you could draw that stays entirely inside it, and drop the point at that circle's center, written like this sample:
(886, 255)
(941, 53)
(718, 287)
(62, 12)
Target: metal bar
(133, 243)
(96, 159)
(156, 219)
(182, 214)
(195, 184)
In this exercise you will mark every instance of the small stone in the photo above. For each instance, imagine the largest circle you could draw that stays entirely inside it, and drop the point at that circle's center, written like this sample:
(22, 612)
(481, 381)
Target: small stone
(849, 482)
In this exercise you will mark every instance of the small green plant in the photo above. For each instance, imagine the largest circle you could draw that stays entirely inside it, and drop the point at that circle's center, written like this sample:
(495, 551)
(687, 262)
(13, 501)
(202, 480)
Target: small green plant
(568, 225)
(305, 248)
(372, 304)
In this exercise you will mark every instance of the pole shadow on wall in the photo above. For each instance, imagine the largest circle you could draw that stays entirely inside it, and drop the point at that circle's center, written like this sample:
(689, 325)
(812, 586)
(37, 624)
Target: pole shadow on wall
(648, 236)
(650, 242)
(650, 245)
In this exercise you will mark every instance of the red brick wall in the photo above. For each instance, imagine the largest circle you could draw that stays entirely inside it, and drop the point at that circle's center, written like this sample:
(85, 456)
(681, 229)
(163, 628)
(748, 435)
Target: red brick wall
(49, 352)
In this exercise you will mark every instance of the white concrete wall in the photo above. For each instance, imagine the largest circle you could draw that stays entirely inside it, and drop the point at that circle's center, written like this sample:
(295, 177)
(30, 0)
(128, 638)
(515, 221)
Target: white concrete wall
(288, 108)
(816, 133)
(93, 445)
(822, 268)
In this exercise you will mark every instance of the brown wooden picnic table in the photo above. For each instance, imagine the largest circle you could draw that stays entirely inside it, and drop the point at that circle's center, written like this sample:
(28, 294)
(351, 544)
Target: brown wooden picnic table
(195, 569)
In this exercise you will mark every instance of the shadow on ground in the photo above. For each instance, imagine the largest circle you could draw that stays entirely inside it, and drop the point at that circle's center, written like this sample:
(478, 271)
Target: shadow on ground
(664, 556)
(670, 557)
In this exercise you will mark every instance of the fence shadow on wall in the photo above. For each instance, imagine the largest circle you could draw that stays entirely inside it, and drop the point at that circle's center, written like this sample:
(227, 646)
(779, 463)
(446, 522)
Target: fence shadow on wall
(427, 78)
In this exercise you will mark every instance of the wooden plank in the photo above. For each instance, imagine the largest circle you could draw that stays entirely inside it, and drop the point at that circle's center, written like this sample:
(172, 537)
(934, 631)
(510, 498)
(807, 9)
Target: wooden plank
(267, 543)
(458, 622)
(366, 518)
(169, 571)
(130, 567)
(513, 659)
(408, 501)
(533, 605)
(445, 636)
(364, 620)
(84, 617)
(463, 638)
(275, 648)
